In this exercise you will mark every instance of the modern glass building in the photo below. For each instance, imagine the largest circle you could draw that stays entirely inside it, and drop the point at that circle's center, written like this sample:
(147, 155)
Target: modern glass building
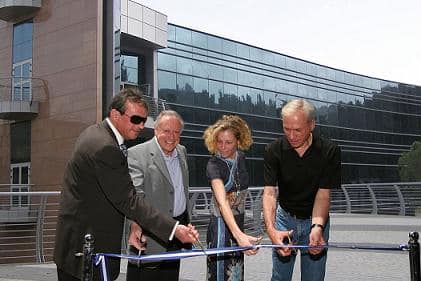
(203, 76)
(67, 58)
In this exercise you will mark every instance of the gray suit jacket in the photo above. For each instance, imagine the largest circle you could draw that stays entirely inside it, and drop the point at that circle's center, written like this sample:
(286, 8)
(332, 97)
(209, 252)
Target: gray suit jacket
(151, 177)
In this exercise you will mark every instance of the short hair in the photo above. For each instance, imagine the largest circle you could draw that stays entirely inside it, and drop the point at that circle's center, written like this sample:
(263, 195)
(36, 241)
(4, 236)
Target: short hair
(233, 123)
(299, 104)
(119, 101)
(171, 113)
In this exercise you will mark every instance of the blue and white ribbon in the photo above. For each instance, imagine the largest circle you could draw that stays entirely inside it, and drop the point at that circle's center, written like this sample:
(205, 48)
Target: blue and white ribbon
(101, 258)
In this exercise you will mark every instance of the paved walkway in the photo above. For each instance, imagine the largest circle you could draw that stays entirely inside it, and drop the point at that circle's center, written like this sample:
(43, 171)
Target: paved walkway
(342, 264)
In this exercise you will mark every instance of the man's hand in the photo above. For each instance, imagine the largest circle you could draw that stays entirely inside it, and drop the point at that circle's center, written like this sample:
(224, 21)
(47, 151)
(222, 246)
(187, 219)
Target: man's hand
(187, 234)
(316, 239)
(136, 237)
(278, 237)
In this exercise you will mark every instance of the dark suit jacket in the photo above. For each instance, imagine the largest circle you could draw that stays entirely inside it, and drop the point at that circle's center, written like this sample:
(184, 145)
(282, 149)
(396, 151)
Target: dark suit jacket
(97, 194)
(150, 176)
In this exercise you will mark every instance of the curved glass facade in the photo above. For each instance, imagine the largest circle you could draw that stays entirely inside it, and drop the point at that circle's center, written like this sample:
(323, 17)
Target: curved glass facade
(203, 76)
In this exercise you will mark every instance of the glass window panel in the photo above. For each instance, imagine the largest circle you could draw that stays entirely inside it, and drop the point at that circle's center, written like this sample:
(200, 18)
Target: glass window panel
(216, 91)
(183, 35)
(243, 51)
(230, 75)
(167, 86)
(301, 67)
(185, 89)
(214, 43)
(22, 51)
(268, 57)
(215, 72)
(184, 66)
(270, 104)
(167, 62)
(302, 91)
(229, 100)
(244, 78)
(200, 87)
(291, 63)
(171, 32)
(17, 72)
(130, 61)
(229, 47)
(26, 70)
(20, 139)
(339, 76)
(17, 93)
(279, 60)
(25, 175)
(26, 91)
(200, 69)
(22, 32)
(199, 39)
(244, 99)
(268, 83)
(256, 54)
(15, 175)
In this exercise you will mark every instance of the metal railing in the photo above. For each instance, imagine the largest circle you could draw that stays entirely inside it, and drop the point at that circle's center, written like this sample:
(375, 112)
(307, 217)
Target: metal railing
(29, 89)
(27, 233)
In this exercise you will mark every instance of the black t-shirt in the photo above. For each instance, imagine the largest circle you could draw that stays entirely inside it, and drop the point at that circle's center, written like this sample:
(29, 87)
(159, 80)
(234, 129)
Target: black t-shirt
(299, 178)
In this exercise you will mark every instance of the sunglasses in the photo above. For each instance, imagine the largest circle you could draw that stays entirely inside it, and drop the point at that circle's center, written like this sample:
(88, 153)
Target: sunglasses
(136, 119)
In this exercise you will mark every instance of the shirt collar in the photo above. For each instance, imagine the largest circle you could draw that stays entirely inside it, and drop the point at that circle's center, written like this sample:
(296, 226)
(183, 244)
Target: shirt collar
(117, 134)
(315, 143)
(174, 153)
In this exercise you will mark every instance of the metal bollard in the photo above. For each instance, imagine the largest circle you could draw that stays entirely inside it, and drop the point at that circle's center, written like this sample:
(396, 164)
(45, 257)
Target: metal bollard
(88, 250)
(414, 256)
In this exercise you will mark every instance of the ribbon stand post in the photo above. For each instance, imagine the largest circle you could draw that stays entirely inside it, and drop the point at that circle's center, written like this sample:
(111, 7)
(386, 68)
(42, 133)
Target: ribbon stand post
(414, 256)
(88, 249)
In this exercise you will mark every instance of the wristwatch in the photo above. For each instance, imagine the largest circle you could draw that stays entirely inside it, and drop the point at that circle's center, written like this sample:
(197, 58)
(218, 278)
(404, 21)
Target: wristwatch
(317, 225)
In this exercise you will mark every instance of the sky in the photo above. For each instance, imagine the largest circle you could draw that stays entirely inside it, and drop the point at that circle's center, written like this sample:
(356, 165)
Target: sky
(377, 38)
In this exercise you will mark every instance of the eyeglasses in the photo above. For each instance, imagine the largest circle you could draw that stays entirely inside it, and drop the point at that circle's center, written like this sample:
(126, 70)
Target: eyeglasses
(136, 119)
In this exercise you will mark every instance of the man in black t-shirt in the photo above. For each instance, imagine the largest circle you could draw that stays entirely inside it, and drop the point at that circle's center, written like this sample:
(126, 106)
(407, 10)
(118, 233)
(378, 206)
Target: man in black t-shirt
(304, 168)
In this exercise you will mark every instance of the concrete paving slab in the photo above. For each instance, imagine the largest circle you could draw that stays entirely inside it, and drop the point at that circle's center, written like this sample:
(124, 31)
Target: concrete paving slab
(342, 264)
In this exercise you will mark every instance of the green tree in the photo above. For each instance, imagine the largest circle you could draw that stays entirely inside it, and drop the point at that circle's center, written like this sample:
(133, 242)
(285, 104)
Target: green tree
(410, 163)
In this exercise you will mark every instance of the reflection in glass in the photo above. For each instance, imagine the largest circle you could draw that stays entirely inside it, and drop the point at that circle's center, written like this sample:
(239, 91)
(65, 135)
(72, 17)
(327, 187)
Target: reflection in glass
(367, 117)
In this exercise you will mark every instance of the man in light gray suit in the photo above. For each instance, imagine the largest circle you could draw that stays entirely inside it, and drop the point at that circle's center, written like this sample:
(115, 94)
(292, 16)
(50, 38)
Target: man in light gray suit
(158, 168)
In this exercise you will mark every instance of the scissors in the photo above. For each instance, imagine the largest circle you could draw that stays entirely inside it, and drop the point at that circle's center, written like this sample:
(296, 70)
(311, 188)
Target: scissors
(288, 241)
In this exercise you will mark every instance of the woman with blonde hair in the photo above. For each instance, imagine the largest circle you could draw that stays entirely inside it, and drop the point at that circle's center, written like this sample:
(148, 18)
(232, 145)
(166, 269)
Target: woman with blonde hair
(228, 176)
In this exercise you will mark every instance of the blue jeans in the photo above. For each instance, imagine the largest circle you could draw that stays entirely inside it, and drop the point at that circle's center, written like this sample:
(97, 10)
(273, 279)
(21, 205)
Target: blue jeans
(312, 267)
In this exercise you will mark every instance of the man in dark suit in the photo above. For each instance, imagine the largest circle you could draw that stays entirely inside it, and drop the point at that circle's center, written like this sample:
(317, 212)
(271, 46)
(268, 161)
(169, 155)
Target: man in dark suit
(159, 170)
(98, 192)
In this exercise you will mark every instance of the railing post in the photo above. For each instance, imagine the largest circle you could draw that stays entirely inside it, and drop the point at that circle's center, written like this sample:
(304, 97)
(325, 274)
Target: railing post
(347, 199)
(40, 229)
(414, 256)
(88, 250)
(373, 199)
(401, 200)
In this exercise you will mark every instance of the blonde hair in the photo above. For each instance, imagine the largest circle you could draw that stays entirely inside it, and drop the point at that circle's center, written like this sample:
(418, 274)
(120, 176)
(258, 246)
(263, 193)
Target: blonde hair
(236, 125)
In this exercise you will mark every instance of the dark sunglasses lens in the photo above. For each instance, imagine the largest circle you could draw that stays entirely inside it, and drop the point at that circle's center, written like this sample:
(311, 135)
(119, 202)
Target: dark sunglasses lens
(135, 119)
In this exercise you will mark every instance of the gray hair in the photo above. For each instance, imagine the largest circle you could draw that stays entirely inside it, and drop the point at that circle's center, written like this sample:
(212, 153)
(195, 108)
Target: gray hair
(170, 113)
(299, 104)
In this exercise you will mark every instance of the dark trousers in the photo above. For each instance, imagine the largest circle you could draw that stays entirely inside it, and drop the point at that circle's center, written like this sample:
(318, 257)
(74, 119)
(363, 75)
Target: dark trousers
(64, 276)
(163, 270)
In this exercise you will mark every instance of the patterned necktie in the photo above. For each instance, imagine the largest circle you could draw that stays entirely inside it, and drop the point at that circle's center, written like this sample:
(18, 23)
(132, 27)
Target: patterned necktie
(123, 149)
